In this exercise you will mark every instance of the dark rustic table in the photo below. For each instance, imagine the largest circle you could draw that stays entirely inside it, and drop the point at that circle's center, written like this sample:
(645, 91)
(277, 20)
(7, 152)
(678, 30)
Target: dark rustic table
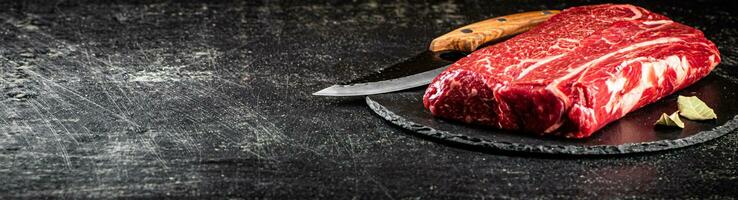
(194, 99)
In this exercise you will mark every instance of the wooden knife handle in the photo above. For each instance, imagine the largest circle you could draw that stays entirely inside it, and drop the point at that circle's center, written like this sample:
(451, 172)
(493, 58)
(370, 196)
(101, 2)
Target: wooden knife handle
(470, 37)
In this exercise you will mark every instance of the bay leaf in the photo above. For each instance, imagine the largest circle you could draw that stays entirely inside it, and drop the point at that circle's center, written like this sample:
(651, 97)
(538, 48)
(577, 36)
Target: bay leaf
(694, 109)
(670, 120)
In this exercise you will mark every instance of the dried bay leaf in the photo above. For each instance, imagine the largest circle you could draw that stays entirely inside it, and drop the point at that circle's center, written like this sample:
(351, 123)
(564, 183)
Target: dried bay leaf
(670, 120)
(694, 109)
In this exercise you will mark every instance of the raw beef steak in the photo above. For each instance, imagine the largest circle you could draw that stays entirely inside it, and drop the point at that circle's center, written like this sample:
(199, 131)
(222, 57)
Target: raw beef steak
(575, 73)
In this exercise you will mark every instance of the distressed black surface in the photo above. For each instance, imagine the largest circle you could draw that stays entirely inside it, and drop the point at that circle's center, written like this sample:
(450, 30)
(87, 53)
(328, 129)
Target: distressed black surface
(193, 99)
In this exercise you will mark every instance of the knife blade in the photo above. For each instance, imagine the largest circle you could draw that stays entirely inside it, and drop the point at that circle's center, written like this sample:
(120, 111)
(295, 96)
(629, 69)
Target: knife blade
(443, 51)
(378, 87)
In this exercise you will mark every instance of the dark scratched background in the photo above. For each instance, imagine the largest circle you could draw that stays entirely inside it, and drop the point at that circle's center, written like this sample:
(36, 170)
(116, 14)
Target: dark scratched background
(211, 99)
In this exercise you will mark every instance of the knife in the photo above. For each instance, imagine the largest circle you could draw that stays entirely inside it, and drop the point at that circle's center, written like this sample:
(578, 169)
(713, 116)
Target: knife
(442, 52)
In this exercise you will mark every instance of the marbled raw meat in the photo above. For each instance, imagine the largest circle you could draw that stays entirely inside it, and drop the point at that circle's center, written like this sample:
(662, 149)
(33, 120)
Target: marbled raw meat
(575, 73)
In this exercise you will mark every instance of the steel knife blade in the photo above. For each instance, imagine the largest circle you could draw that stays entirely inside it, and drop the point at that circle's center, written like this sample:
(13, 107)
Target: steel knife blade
(413, 72)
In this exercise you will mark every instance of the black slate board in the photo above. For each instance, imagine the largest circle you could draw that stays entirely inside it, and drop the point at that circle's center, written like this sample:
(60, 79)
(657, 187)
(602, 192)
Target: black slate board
(633, 133)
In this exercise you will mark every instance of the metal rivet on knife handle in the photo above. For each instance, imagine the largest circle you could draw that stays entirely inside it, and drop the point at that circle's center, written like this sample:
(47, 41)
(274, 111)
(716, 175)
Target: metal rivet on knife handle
(470, 37)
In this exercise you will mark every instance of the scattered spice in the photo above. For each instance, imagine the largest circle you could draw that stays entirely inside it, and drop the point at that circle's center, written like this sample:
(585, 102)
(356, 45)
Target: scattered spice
(694, 109)
(670, 120)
